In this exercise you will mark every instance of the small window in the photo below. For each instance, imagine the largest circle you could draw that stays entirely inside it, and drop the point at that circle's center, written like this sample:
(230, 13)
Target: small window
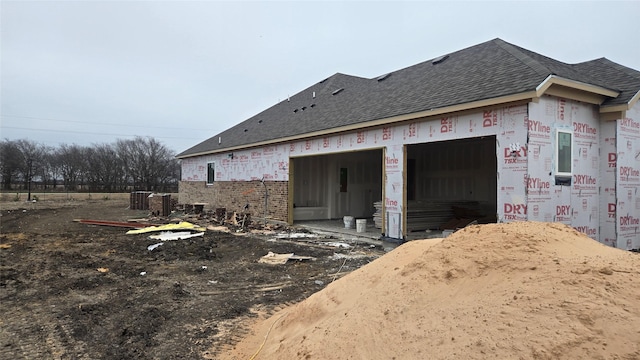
(211, 172)
(564, 154)
(343, 179)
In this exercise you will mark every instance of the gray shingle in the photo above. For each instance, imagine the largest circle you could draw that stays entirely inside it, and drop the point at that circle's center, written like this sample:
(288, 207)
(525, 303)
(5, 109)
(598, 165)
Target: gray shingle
(609, 74)
(488, 70)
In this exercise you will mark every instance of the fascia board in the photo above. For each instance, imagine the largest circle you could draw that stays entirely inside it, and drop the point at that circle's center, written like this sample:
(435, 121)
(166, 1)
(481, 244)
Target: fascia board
(621, 107)
(556, 80)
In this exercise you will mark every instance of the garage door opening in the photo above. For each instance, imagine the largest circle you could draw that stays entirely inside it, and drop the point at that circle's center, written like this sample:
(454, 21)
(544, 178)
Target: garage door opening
(332, 186)
(450, 184)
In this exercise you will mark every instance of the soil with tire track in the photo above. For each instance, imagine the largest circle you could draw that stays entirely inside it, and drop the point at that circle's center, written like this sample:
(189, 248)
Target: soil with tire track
(75, 291)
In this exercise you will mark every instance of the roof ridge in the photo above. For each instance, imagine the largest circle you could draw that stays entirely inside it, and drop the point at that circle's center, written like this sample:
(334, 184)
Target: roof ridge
(629, 71)
(330, 80)
(526, 59)
(492, 69)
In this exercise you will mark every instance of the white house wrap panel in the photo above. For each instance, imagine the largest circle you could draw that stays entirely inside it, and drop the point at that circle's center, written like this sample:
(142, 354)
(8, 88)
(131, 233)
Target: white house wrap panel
(608, 157)
(576, 204)
(628, 180)
(512, 163)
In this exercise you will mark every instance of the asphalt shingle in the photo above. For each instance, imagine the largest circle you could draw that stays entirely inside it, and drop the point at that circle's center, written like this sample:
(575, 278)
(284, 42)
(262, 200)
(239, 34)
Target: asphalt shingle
(488, 70)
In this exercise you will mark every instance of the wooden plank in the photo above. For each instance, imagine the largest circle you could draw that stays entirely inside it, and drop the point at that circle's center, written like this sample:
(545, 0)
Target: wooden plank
(133, 225)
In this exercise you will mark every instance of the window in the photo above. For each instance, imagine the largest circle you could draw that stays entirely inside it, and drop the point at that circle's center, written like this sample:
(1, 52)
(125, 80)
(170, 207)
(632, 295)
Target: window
(211, 172)
(564, 154)
(343, 179)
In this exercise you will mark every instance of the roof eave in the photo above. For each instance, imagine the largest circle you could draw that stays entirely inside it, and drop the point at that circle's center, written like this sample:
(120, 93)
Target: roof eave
(621, 107)
(513, 98)
(575, 90)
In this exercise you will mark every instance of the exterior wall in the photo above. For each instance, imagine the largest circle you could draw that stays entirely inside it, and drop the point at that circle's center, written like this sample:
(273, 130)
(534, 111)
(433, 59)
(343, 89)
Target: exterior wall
(270, 163)
(508, 124)
(603, 200)
(190, 192)
(628, 180)
(234, 195)
(577, 205)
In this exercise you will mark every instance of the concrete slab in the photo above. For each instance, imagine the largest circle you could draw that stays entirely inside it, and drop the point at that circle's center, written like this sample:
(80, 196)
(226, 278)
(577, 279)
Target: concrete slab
(372, 235)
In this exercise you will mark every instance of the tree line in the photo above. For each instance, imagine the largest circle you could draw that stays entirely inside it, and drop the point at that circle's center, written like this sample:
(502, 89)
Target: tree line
(134, 164)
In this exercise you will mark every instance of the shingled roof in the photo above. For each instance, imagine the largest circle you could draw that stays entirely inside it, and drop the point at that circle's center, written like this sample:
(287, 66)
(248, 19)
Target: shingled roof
(489, 70)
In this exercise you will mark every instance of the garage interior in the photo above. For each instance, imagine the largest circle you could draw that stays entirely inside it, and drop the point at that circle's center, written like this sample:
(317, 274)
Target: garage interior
(451, 184)
(337, 185)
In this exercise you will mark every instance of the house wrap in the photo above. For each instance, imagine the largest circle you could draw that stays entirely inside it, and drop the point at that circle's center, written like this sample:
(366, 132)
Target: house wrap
(501, 132)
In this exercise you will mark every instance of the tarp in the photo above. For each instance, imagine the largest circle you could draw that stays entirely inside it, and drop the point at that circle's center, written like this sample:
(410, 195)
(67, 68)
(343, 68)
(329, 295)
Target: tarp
(184, 225)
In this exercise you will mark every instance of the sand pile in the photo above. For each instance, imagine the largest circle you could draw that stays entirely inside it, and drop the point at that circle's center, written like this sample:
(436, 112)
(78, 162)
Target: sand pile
(501, 291)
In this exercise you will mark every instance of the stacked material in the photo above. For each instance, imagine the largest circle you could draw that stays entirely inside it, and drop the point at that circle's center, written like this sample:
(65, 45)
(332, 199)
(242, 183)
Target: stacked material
(431, 214)
(377, 216)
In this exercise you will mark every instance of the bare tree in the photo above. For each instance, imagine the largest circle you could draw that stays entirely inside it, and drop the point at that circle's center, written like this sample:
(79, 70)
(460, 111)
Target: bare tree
(105, 171)
(32, 159)
(47, 171)
(70, 161)
(10, 161)
(146, 161)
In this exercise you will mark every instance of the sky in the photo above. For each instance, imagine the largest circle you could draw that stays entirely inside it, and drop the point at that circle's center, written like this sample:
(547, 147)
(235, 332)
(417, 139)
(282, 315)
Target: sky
(91, 72)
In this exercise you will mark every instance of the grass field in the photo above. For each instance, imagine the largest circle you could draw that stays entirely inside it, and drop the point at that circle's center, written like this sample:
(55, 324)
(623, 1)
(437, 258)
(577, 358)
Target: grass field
(61, 196)
(50, 200)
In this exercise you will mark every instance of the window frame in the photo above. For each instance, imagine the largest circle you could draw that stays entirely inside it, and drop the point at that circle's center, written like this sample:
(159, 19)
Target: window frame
(211, 165)
(557, 169)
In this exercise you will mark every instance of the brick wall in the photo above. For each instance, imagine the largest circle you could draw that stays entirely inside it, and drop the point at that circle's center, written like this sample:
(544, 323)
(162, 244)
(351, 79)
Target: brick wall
(160, 204)
(233, 195)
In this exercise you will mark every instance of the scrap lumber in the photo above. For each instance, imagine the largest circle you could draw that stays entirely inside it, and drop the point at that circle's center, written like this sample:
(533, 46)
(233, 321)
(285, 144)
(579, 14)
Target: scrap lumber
(133, 225)
(433, 214)
(280, 259)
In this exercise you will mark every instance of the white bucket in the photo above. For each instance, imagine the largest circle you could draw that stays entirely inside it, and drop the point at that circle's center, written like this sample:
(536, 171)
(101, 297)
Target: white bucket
(361, 225)
(348, 222)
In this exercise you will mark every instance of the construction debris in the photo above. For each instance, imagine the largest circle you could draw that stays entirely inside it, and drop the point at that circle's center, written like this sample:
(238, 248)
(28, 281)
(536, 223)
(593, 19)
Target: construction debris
(280, 259)
(129, 224)
(154, 246)
(168, 235)
(296, 235)
(218, 228)
(183, 225)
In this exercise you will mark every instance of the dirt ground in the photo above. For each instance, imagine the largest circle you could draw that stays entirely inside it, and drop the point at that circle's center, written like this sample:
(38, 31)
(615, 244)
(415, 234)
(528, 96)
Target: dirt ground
(74, 291)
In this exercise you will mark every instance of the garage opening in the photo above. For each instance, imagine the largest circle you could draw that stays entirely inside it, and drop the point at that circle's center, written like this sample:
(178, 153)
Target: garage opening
(336, 185)
(451, 184)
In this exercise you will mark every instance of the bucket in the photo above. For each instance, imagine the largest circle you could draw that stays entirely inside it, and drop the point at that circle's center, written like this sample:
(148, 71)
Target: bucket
(348, 222)
(361, 225)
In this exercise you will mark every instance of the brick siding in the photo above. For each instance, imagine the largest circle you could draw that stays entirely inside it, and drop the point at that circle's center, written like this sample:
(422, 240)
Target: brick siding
(234, 195)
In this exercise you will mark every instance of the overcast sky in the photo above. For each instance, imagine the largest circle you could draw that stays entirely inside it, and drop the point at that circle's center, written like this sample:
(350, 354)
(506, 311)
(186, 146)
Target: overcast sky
(90, 72)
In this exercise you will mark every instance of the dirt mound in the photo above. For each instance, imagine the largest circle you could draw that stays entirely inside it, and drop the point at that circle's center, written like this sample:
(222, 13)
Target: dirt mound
(503, 291)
